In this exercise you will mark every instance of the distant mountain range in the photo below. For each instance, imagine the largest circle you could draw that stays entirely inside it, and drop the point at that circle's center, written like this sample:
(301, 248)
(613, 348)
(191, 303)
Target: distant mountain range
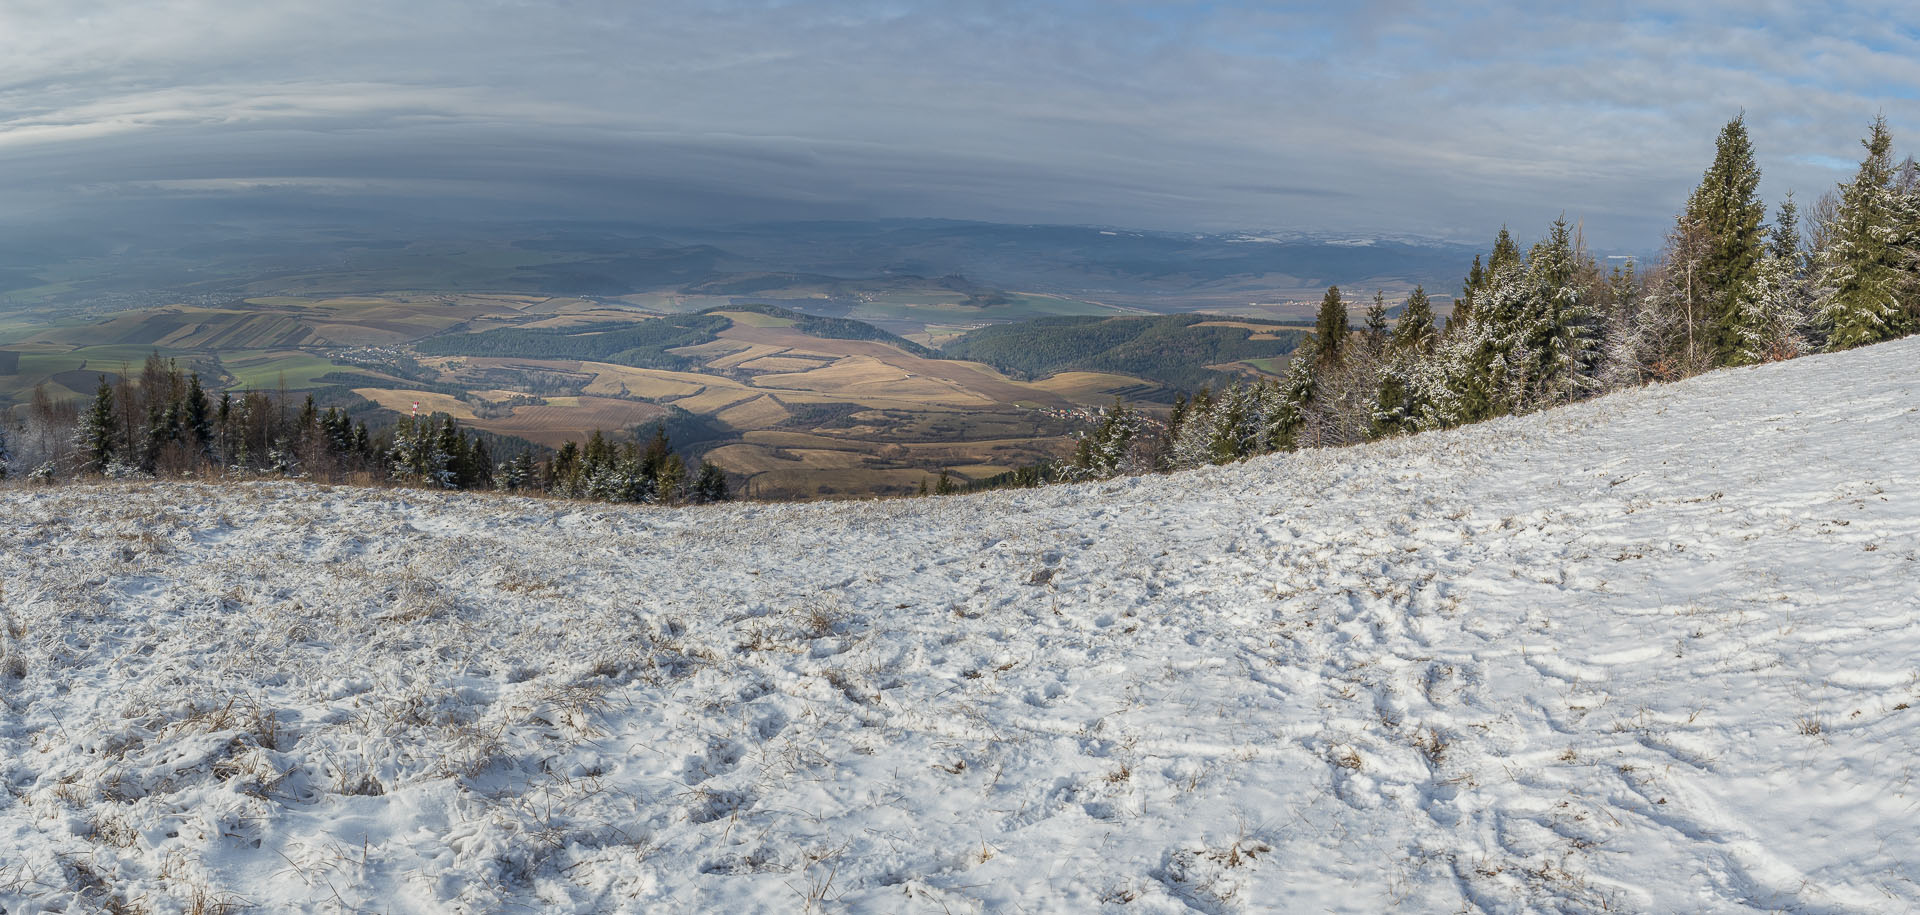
(128, 265)
(1162, 271)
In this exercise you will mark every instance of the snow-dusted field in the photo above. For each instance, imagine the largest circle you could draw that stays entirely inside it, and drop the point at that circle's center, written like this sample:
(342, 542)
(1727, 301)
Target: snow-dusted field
(1656, 653)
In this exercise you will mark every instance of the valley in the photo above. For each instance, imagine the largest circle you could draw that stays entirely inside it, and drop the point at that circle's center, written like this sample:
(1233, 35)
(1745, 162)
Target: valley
(793, 404)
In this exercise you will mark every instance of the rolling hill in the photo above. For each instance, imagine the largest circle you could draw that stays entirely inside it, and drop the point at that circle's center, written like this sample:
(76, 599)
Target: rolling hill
(1179, 351)
(1650, 653)
(802, 405)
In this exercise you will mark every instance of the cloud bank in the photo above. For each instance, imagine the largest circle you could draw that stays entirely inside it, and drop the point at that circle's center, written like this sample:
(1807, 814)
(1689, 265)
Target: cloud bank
(1441, 119)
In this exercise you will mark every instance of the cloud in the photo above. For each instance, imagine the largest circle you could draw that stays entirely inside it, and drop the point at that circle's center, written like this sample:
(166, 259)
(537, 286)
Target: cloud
(1445, 119)
(1285, 190)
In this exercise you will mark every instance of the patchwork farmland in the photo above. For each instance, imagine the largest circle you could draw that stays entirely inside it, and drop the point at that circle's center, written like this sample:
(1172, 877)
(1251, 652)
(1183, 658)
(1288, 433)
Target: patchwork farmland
(784, 401)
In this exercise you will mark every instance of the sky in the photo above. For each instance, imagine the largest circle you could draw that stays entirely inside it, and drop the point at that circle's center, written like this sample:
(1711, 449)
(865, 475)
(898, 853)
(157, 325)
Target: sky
(1436, 119)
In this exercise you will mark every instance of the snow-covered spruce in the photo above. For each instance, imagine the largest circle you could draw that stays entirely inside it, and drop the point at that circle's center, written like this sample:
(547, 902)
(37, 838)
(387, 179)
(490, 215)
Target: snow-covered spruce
(1658, 651)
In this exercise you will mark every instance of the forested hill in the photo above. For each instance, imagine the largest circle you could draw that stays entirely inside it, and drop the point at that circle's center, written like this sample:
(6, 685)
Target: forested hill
(1175, 350)
(645, 344)
(829, 328)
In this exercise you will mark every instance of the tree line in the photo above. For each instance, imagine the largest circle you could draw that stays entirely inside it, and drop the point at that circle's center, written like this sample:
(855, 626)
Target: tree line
(1549, 326)
(165, 424)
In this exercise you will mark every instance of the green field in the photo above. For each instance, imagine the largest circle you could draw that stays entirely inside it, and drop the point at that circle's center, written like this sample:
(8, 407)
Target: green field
(14, 330)
(1272, 365)
(755, 319)
(77, 370)
(267, 371)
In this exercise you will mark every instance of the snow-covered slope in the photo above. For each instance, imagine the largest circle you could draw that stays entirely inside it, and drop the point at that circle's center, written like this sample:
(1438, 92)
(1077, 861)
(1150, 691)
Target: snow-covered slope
(1655, 653)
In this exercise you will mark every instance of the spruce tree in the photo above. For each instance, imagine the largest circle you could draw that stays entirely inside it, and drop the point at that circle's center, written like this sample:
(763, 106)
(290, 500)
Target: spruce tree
(1377, 322)
(1860, 265)
(336, 434)
(1287, 419)
(1483, 366)
(1906, 220)
(1398, 405)
(1783, 239)
(1414, 333)
(1163, 450)
(1192, 443)
(1393, 407)
(449, 441)
(1506, 254)
(417, 454)
(563, 472)
(1080, 466)
(1481, 280)
(1104, 450)
(1235, 425)
(1462, 311)
(597, 454)
(1562, 331)
(516, 475)
(659, 447)
(309, 421)
(1434, 382)
(712, 485)
(670, 483)
(1773, 312)
(1726, 208)
(97, 436)
(199, 419)
(156, 438)
(229, 439)
(479, 466)
(1330, 327)
(1498, 364)
(6, 455)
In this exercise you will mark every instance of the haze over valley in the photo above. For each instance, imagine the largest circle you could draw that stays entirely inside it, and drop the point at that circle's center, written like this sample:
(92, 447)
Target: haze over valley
(373, 323)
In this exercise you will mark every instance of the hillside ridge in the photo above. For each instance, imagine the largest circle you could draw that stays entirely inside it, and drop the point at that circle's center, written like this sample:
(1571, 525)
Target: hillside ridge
(1649, 652)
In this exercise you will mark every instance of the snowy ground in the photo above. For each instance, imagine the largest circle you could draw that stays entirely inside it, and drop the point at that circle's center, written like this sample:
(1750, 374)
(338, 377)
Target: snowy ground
(1657, 653)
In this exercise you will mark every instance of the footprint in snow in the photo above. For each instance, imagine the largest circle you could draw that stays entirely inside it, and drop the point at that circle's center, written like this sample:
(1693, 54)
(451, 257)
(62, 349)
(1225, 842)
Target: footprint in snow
(1046, 696)
(770, 725)
(721, 757)
(709, 806)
